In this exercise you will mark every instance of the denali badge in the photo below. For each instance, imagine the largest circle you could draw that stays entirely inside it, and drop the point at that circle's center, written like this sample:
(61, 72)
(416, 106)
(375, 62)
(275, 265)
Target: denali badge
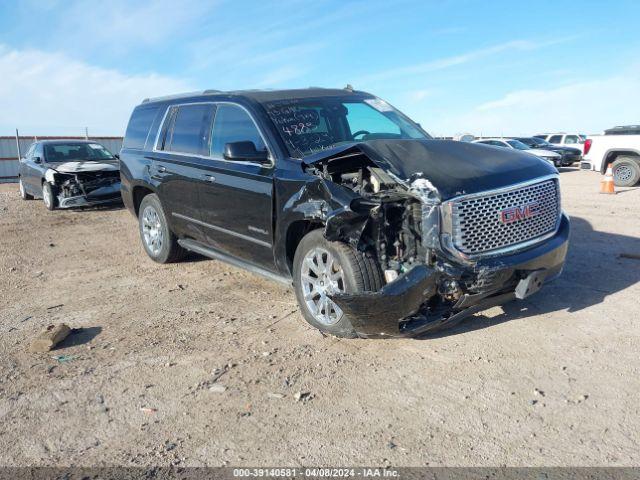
(515, 214)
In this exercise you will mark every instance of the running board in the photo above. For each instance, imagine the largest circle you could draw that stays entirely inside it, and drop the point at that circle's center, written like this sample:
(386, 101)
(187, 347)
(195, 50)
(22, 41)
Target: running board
(197, 247)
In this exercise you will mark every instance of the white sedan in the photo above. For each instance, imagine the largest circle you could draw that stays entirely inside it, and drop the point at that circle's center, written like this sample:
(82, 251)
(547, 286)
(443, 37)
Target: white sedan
(548, 155)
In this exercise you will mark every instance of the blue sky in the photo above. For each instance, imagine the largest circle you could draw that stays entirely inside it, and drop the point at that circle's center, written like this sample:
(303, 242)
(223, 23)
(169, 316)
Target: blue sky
(487, 68)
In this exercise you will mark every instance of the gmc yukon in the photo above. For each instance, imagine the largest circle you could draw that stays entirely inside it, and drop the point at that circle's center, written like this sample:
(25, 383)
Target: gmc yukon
(383, 231)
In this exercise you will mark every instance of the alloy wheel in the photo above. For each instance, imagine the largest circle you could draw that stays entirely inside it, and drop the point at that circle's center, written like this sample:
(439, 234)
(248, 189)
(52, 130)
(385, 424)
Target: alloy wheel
(47, 196)
(321, 275)
(152, 230)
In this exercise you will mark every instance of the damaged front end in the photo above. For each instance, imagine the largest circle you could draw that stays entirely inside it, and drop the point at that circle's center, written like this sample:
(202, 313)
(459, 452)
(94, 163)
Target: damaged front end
(431, 282)
(75, 186)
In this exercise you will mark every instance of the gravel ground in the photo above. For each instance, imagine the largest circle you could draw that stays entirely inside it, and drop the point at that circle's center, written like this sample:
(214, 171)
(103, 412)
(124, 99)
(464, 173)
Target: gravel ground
(201, 363)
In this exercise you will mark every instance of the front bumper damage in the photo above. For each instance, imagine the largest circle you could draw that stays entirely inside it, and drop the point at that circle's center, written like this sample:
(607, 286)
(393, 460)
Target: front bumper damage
(107, 195)
(402, 308)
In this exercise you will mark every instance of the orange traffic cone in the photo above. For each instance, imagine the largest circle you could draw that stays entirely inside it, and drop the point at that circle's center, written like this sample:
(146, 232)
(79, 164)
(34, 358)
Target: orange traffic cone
(606, 184)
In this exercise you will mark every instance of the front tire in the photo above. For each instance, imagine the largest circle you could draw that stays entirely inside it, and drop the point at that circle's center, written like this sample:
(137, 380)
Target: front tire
(158, 240)
(48, 196)
(23, 192)
(321, 267)
(626, 171)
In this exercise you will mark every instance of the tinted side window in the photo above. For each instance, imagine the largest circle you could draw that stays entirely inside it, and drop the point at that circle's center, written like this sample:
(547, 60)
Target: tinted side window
(555, 139)
(233, 124)
(191, 129)
(138, 127)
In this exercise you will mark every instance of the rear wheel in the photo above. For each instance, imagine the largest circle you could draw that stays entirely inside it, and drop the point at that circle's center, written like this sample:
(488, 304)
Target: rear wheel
(23, 193)
(48, 197)
(626, 171)
(158, 240)
(322, 268)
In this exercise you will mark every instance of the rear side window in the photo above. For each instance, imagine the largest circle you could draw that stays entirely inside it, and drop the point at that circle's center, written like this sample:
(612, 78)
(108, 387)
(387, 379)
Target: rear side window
(555, 139)
(571, 139)
(233, 124)
(191, 128)
(138, 128)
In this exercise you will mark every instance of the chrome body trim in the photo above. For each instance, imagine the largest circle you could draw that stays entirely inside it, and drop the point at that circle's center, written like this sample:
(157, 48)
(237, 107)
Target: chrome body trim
(262, 243)
(446, 222)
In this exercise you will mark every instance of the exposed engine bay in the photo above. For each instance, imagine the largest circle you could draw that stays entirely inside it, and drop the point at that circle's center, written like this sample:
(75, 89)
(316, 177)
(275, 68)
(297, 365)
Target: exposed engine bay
(398, 222)
(394, 233)
(84, 183)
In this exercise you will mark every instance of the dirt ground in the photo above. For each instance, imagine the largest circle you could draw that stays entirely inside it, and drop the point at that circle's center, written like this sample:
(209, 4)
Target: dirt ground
(553, 380)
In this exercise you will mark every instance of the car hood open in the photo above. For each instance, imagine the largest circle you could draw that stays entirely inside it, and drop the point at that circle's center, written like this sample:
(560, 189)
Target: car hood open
(452, 168)
(84, 167)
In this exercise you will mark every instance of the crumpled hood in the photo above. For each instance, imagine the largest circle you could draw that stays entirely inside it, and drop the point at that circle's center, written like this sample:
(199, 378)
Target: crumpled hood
(452, 168)
(84, 167)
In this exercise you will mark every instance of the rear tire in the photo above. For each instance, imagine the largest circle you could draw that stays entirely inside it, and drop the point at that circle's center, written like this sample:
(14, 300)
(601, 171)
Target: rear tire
(335, 266)
(158, 240)
(23, 193)
(626, 171)
(49, 197)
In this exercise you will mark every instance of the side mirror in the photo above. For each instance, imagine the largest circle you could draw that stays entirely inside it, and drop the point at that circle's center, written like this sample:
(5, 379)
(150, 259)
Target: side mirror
(37, 160)
(117, 155)
(245, 152)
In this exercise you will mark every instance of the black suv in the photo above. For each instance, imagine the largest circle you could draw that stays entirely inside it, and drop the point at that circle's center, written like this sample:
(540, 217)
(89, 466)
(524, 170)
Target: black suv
(69, 173)
(382, 230)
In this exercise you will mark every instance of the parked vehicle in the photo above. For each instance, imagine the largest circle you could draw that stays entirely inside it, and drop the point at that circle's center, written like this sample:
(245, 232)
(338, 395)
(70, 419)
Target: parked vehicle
(562, 139)
(621, 152)
(382, 230)
(568, 155)
(69, 173)
(551, 157)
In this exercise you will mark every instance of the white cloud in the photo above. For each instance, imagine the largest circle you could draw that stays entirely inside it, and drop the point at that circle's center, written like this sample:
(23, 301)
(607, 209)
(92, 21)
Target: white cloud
(279, 76)
(461, 59)
(49, 93)
(419, 95)
(118, 26)
(589, 106)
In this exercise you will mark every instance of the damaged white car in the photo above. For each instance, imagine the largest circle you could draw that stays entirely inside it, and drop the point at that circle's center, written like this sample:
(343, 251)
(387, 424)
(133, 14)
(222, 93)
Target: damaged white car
(70, 173)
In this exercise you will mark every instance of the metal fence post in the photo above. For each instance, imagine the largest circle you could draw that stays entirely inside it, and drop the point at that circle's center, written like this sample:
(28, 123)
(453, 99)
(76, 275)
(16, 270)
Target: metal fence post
(18, 144)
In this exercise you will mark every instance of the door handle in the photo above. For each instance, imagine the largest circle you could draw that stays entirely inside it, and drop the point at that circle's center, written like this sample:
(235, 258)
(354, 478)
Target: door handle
(209, 178)
(162, 169)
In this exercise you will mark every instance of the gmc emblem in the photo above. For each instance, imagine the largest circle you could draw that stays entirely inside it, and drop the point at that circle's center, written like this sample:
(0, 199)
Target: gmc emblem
(515, 214)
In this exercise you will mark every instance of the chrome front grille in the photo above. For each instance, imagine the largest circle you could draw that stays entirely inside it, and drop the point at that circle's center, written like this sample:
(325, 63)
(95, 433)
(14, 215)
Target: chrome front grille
(484, 223)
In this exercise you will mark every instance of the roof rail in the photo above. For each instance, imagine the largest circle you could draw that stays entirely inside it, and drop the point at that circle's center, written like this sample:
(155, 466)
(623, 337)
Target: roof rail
(180, 95)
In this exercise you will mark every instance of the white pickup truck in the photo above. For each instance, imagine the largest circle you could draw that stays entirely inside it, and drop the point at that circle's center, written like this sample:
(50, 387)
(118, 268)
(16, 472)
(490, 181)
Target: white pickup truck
(618, 147)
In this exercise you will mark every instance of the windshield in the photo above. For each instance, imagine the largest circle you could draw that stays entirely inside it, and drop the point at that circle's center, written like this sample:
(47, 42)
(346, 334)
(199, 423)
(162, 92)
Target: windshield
(518, 145)
(313, 124)
(67, 152)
